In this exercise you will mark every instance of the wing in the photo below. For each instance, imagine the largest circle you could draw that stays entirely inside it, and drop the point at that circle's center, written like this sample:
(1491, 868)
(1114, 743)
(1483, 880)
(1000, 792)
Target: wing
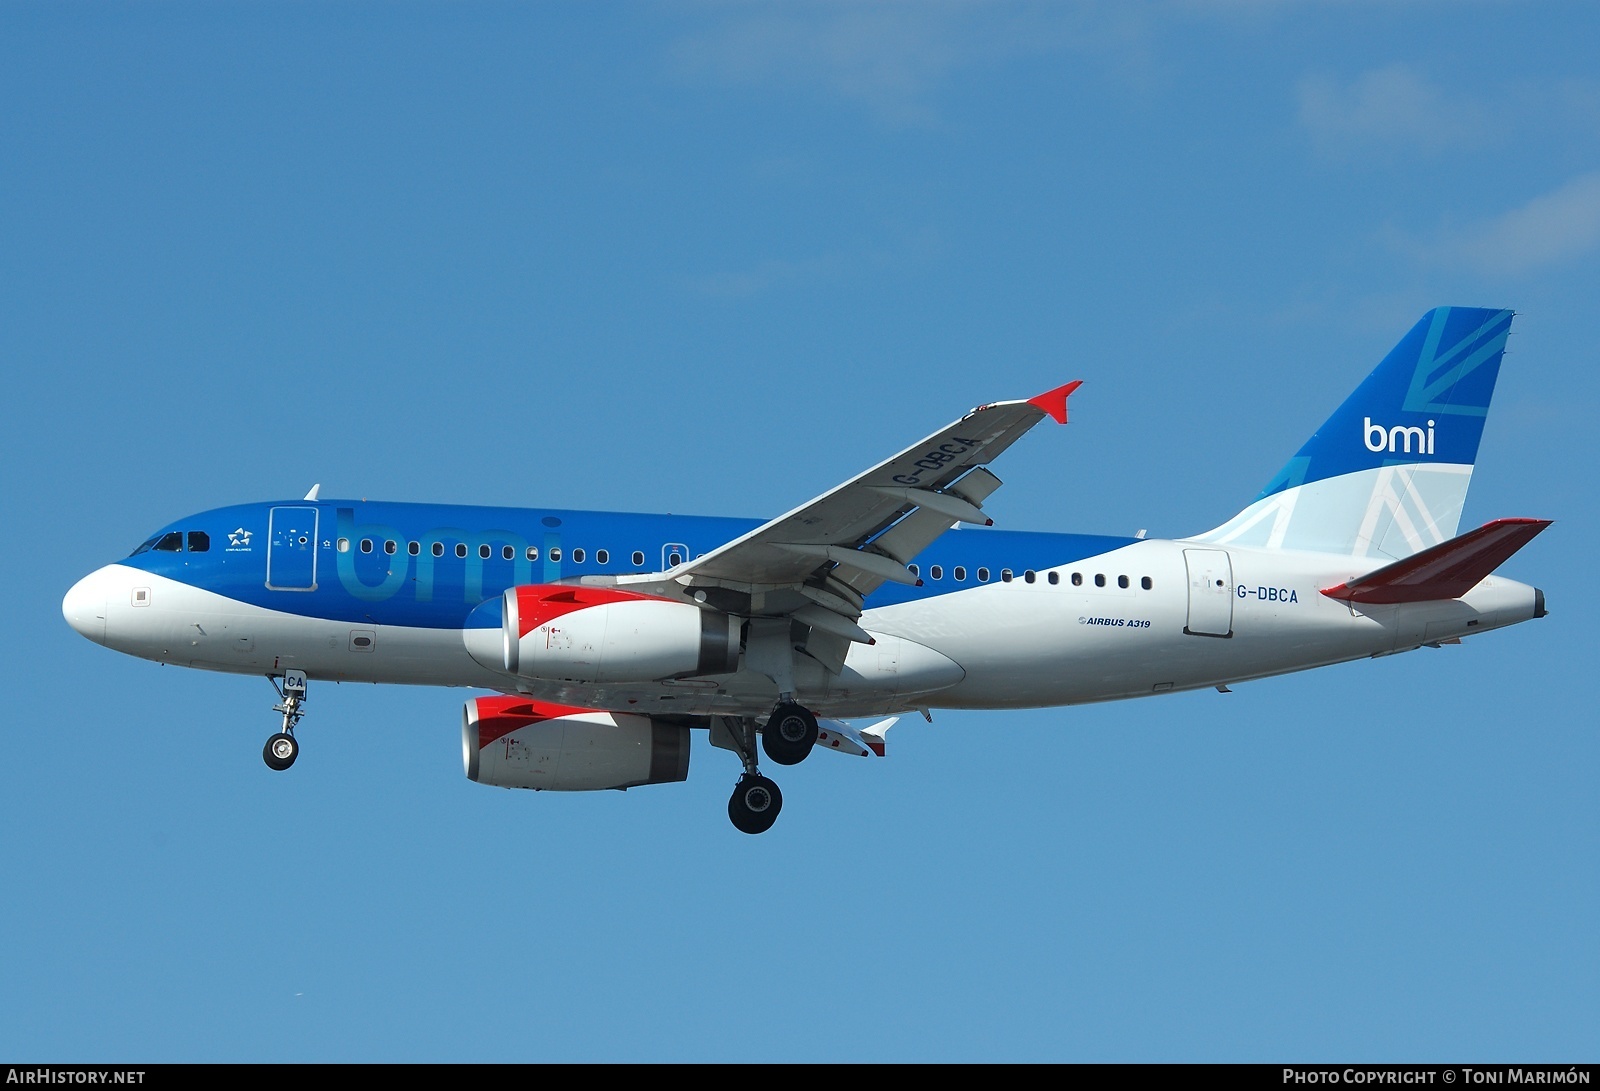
(817, 563)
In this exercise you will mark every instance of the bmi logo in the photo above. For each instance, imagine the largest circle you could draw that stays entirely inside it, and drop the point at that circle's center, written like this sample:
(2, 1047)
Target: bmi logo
(1398, 438)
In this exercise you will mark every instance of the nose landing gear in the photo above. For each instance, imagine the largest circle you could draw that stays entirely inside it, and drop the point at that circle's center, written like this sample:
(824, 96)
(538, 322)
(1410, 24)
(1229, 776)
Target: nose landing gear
(281, 748)
(280, 751)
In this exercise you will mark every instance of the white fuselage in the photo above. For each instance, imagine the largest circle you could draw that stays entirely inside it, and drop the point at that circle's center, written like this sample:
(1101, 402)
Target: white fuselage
(1150, 617)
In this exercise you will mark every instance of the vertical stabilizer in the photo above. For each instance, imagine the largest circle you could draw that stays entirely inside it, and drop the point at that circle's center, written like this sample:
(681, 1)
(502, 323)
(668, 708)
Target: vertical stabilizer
(1387, 474)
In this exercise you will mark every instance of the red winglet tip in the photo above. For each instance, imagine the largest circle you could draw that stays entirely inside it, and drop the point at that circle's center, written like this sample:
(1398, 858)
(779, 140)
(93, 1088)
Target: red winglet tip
(876, 748)
(919, 583)
(988, 522)
(1054, 402)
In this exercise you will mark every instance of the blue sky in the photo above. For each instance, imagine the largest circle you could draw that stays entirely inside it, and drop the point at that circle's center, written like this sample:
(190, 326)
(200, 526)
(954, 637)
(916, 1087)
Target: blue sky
(716, 258)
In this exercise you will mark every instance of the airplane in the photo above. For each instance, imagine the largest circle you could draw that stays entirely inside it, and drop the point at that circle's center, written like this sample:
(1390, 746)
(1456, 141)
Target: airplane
(608, 639)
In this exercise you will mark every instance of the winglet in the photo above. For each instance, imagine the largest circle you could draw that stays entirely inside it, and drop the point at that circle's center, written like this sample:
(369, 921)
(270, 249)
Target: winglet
(1054, 402)
(873, 735)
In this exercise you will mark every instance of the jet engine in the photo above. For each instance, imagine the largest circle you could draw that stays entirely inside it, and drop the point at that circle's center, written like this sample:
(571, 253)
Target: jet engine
(599, 634)
(514, 742)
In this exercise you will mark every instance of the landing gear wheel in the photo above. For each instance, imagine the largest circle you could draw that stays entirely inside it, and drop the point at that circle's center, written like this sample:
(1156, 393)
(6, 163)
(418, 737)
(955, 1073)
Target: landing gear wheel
(280, 751)
(755, 804)
(790, 733)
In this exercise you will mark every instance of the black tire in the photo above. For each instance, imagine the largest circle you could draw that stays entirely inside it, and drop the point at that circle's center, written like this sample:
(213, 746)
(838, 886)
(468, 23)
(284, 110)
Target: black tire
(790, 734)
(280, 751)
(755, 804)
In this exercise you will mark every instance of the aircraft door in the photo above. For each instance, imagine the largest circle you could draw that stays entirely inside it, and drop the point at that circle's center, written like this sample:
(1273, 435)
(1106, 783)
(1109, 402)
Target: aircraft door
(1210, 592)
(292, 549)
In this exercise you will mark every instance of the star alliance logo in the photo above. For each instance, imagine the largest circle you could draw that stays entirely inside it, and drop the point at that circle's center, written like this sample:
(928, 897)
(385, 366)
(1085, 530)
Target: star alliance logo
(239, 539)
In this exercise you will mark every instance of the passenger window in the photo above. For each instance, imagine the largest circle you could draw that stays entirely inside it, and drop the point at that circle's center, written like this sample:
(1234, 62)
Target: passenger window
(342, 545)
(983, 575)
(1005, 575)
(389, 547)
(507, 553)
(1099, 580)
(577, 555)
(602, 556)
(911, 568)
(960, 574)
(1146, 584)
(366, 545)
(199, 541)
(461, 549)
(1077, 579)
(1122, 581)
(936, 571)
(638, 559)
(1055, 577)
(483, 552)
(413, 548)
(533, 553)
(438, 549)
(674, 560)
(1027, 577)
(555, 553)
(171, 542)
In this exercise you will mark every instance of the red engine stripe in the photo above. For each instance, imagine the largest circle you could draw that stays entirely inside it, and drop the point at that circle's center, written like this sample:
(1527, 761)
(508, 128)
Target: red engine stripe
(539, 603)
(500, 716)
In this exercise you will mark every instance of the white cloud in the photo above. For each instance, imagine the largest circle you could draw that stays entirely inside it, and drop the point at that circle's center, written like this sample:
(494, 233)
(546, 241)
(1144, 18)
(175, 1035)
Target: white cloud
(909, 249)
(1555, 227)
(1392, 105)
(889, 54)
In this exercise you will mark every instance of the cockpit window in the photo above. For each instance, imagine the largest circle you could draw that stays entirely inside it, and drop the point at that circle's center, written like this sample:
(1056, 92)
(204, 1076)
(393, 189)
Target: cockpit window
(172, 542)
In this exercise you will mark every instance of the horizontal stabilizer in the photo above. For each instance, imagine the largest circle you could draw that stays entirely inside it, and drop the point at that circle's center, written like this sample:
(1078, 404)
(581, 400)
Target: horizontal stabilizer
(1447, 570)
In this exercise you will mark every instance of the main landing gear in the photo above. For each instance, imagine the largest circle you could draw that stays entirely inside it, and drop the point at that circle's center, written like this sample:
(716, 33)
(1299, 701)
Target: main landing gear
(282, 749)
(755, 804)
(788, 737)
(790, 734)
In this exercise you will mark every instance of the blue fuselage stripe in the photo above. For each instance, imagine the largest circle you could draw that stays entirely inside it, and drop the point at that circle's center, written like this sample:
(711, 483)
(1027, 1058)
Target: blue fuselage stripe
(313, 575)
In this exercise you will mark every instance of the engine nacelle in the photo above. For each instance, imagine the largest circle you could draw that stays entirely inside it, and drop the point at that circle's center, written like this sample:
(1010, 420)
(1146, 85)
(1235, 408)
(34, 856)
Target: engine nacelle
(600, 634)
(514, 742)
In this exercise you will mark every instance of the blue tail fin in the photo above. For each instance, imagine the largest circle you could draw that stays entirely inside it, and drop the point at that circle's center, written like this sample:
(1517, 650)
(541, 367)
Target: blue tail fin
(1387, 474)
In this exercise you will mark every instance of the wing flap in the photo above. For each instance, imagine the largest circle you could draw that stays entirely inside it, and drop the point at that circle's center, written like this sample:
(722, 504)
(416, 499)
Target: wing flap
(1447, 570)
(841, 736)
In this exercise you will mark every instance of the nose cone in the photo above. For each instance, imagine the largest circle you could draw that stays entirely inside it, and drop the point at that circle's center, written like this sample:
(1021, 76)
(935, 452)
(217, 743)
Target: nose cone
(85, 606)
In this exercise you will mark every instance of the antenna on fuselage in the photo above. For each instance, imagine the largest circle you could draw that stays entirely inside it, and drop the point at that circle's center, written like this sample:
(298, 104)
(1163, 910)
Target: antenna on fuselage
(312, 495)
